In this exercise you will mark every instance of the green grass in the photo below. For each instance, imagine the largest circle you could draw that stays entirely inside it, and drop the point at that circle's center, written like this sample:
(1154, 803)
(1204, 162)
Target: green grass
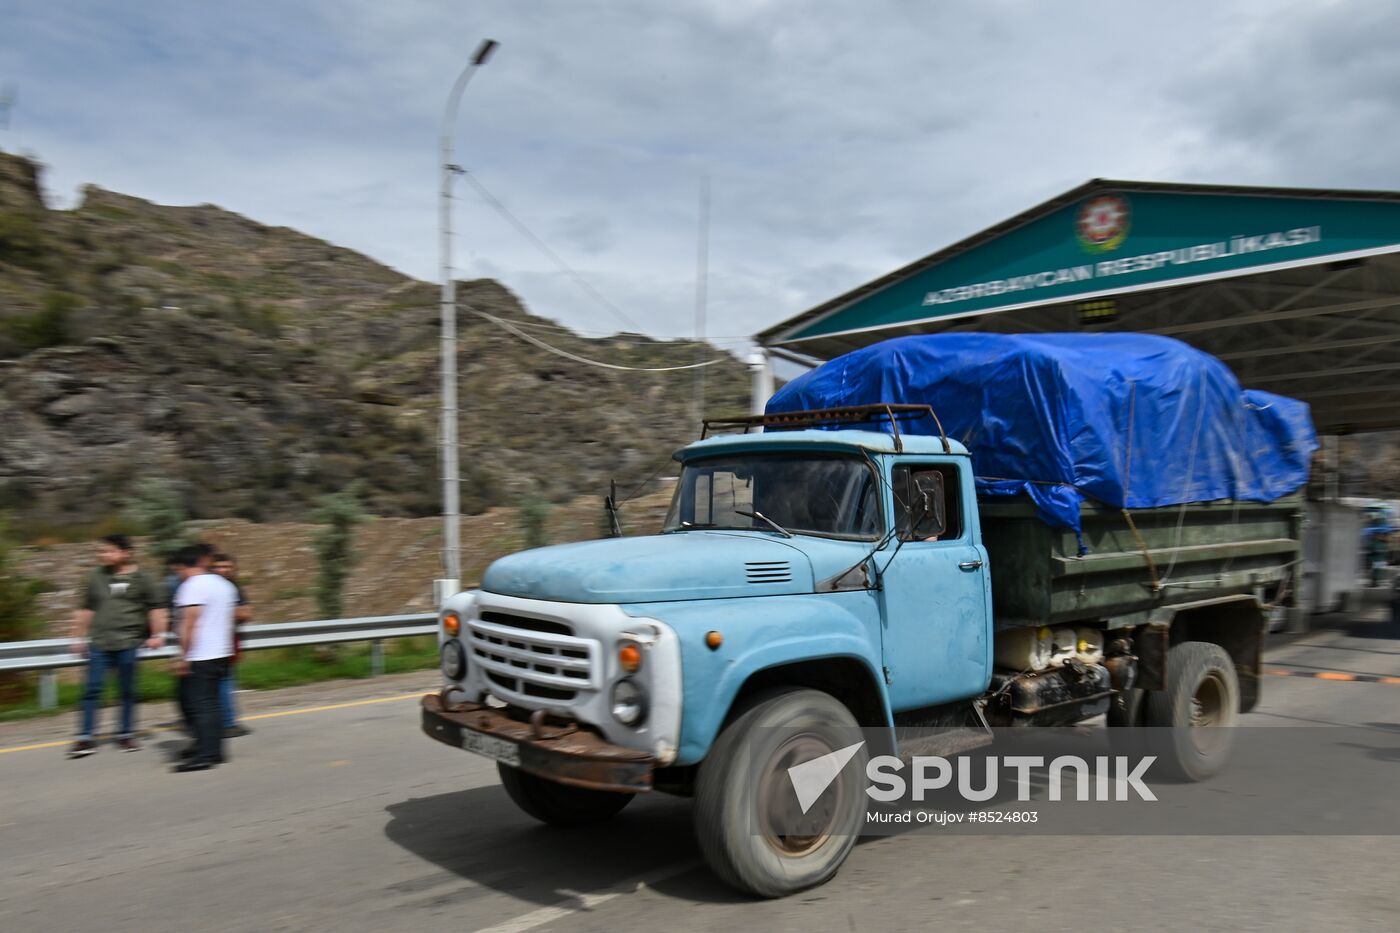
(258, 670)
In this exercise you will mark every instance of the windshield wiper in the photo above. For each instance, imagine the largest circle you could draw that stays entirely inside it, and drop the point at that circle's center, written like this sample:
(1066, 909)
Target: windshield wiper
(764, 518)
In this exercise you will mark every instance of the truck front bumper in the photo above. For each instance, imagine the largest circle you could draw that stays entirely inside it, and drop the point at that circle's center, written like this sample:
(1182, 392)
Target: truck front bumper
(569, 754)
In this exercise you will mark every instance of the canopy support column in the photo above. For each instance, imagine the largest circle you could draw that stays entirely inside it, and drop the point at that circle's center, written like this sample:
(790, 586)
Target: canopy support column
(761, 369)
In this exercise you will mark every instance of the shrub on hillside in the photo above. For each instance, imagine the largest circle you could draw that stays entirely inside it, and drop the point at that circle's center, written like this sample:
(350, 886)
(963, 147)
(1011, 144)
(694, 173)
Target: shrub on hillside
(46, 327)
(533, 510)
(157, 508)
(19, 611)
(339, 512)
(21, 238)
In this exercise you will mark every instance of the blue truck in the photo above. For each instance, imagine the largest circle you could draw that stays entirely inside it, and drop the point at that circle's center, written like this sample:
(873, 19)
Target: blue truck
(821, 569)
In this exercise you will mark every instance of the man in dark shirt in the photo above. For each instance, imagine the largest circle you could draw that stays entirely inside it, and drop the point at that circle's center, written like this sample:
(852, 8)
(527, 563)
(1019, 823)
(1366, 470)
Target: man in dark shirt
(121, 607)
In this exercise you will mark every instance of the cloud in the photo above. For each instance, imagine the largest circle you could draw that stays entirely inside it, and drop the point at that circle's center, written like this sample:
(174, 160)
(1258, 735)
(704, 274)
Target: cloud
(584, 231)
(1312, 99)
(841, 140)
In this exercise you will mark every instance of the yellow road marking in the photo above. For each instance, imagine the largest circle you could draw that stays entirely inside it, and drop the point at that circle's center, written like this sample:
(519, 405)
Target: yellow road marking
(1338, 676)
(286, 712)
(322, 709)
(31, 748)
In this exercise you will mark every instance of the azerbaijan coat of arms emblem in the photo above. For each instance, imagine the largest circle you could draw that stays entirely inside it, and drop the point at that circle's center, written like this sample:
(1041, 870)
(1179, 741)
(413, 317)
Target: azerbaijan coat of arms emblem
(1102, 222)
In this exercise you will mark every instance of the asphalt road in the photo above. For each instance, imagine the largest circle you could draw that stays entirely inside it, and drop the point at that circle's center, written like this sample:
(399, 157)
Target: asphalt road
(338, 813)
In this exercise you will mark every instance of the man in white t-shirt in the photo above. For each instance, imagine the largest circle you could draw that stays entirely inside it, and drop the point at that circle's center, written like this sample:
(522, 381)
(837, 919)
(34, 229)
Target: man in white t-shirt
(206, 603)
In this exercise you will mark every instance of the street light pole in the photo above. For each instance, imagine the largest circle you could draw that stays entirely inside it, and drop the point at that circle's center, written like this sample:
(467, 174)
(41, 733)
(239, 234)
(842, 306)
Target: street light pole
(451, 500)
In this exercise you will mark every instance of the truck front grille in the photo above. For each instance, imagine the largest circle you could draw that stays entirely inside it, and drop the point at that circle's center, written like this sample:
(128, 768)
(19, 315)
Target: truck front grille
(511, 620)
(530, 663)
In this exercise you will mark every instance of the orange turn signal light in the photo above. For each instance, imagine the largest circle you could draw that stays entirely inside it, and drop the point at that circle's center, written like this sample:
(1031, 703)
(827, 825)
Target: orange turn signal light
(629, 657)
(452, 624)
(713, 640)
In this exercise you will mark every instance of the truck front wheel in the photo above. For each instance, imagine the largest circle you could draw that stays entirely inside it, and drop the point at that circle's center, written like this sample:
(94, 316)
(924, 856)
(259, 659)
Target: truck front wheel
(748, 819)
(559, 804)
(1200, 704)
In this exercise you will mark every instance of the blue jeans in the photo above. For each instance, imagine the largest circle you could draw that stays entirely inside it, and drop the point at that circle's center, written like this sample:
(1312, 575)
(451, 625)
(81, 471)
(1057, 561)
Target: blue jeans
(227, 685)
(99, 664)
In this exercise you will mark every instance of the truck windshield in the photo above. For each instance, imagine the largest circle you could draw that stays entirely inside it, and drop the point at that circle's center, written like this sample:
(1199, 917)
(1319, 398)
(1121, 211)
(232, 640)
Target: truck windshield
(805, 493)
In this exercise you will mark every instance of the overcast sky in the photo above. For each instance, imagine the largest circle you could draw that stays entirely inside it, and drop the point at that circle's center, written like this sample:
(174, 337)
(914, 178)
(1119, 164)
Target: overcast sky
(841, 139)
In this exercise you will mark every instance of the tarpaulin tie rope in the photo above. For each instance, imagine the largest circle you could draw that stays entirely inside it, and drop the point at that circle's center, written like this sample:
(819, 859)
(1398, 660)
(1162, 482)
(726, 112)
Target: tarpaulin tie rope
(1146, 554)
(1190, 481)
(1127, 481)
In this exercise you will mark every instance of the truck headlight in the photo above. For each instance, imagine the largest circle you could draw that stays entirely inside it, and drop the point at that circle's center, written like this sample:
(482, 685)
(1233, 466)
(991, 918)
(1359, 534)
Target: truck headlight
(454, 659)
(629, 702)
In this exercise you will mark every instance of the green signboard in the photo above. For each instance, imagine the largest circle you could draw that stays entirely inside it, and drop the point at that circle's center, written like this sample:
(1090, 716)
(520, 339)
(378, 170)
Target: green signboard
(1124, 241)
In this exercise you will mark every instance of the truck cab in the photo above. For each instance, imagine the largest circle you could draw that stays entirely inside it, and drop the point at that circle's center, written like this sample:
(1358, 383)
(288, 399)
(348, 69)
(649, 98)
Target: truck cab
(807, 537)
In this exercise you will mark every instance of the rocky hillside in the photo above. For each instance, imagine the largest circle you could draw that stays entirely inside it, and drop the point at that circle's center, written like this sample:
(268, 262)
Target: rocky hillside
(259, 367)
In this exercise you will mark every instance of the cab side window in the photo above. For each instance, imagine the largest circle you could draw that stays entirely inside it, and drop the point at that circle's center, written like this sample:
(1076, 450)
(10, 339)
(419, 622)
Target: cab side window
(927, 503)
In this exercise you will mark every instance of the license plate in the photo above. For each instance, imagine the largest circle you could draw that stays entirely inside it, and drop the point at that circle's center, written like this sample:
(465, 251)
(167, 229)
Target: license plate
(491, 747)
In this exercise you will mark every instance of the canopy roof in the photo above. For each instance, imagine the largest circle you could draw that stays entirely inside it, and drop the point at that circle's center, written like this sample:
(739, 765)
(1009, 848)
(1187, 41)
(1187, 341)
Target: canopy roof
(1297, 290)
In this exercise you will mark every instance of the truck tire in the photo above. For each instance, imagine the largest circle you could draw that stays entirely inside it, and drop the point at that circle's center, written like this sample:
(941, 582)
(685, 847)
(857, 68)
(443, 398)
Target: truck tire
(746, 806)
(1200, 704)
(559, 804)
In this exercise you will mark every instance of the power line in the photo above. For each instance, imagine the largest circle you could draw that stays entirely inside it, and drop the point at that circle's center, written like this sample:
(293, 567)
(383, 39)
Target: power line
(549, 253)
(622, 337)
(531, 338)
(496, 204)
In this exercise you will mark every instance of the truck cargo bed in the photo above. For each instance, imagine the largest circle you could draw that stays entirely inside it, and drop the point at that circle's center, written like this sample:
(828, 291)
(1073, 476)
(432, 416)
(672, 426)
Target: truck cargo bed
(1179, 554)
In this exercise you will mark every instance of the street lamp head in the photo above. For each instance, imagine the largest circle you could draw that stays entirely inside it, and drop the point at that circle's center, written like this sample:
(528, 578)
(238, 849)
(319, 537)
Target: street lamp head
(483, 51)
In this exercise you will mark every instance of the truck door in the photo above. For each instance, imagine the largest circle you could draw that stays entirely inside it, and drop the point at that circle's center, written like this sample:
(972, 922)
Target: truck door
(937, 624)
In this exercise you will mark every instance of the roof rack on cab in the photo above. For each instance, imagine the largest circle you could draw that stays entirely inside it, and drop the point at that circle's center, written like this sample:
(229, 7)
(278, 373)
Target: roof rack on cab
(825, 417)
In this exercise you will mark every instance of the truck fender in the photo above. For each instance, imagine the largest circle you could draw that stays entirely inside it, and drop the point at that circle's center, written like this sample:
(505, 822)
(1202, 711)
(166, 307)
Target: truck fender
(1235, 623)
(789, 662)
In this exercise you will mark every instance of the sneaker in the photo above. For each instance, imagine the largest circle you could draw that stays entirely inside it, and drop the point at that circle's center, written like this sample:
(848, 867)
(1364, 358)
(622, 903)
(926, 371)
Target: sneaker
(128, 745)
(82, 749)
(233, 732)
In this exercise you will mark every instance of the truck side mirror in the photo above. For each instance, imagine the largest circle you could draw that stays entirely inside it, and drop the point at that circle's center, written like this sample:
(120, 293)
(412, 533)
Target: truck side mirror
(927, 518)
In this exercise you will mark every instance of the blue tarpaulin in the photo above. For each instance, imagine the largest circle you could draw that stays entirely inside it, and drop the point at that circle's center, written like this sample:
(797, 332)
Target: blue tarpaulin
(1130, 420)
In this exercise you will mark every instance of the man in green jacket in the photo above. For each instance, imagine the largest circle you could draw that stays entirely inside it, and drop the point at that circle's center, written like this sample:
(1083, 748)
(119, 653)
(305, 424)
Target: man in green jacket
(121, 607)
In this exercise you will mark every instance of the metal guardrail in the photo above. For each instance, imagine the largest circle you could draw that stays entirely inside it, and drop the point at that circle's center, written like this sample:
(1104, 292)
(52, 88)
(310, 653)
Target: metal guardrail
(48, 655)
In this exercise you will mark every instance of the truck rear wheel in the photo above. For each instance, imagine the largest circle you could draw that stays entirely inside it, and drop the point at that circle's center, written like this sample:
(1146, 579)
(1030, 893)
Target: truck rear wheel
(750, 825)
(1200, 704)
(559, 804)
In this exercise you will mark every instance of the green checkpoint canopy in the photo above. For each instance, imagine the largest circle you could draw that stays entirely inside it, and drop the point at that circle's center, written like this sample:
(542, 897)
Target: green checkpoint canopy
(1298, 290)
